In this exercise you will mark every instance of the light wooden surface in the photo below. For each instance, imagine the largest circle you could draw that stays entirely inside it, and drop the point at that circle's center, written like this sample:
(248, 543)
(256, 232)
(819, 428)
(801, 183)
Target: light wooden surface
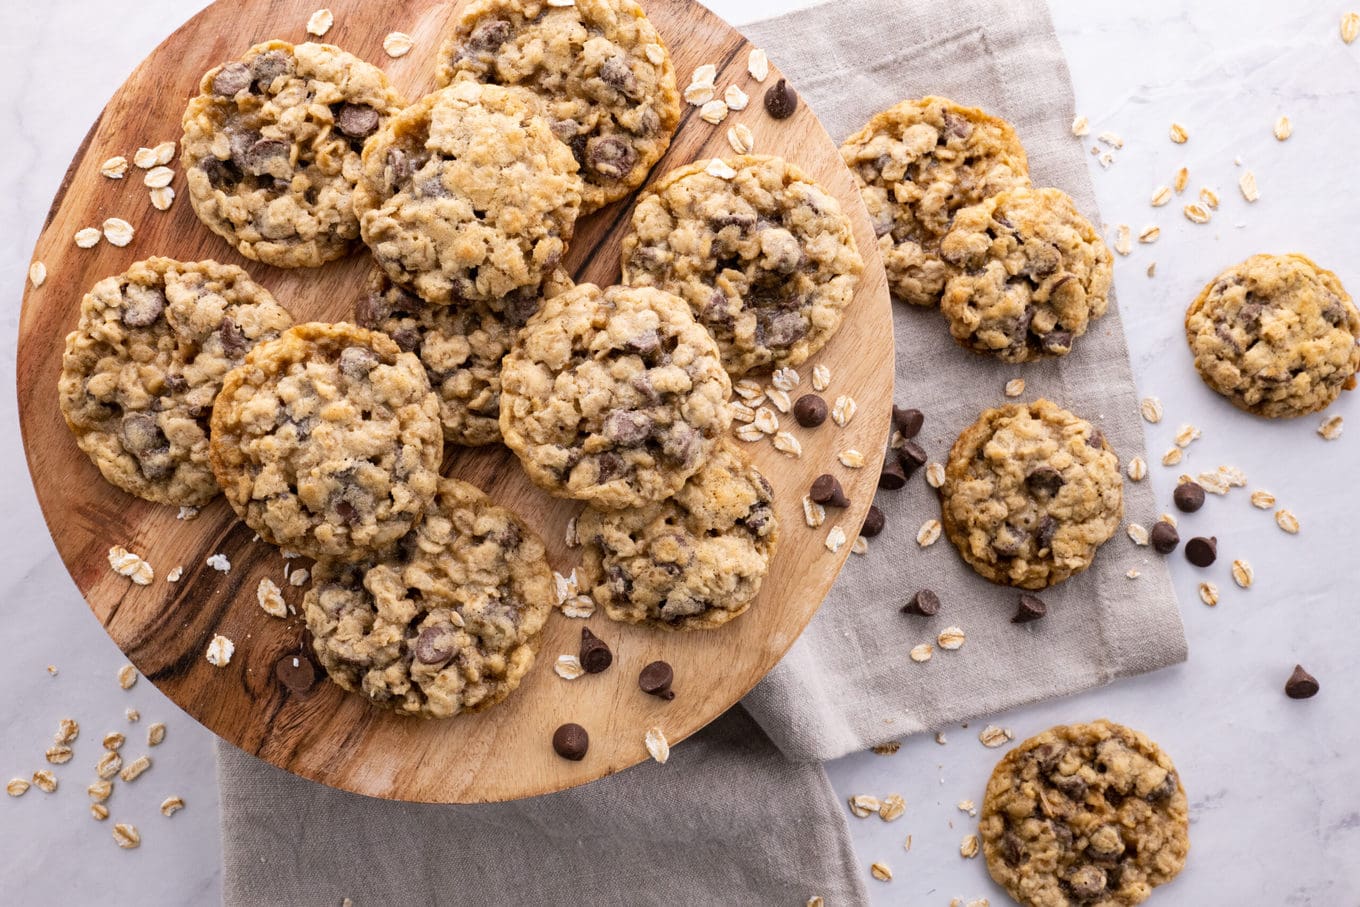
(327, 735)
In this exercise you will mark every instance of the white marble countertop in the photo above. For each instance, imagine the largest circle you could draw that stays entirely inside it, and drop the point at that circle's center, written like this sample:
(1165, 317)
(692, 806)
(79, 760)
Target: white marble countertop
(1275, 810)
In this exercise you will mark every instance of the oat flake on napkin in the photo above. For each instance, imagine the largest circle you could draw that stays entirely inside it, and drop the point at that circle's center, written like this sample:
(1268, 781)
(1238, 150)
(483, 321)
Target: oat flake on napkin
(730, 819)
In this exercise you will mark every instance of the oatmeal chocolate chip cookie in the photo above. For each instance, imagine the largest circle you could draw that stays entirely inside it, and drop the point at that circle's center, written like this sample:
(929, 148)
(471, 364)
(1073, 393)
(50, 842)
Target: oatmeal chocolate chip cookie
(614, 397)
(602, 73)
(918, 164)
(327, 441)
(272, 150)
(145, 363)
(466, 196)
(766, 259)
(1030, 275)
(1276, 335)
(692, 562)
(1030, 493)
(1084, 814)
(460, 346)
(444, 622)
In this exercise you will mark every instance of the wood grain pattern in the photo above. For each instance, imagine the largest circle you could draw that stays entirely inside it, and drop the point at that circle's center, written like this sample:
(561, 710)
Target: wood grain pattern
(326, 735)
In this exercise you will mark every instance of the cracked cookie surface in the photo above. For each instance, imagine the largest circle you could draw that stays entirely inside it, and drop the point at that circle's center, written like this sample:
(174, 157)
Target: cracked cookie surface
(445, 622)
(460, 346)
(145, 363)
(602, 73)
(272, 149)
(614, 397)
(327, 441)
(766, 259)
(692, 562)
(1030, 493)
(918, 164)
(1030, 274)
(1086, 814)
(466, 195)
(1276, 335)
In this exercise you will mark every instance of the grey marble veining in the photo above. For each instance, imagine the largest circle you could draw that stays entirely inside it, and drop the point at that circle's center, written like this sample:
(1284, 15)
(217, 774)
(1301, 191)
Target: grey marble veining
(1276, 818)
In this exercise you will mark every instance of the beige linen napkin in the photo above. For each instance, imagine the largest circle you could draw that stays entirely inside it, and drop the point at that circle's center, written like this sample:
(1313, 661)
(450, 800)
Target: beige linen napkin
(730, 819)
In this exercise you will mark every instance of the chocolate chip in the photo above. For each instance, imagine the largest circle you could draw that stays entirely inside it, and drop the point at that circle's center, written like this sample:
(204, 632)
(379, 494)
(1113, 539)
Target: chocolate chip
(615, 73)
(647, 341)
(1043, 536)
(357, 121)
(810, 410)
(269, 65)
(595, 655)
(357, 361)
(1096, 441)
(1011, 848)
(873, 522)
(925, 603)
(893, 475)
(231, 79)
(233, 339)
(347, 512)
(610, 156)
(489, 36)
(655, 680)
(1189, 497)
(434, 645)
(827, 490)
(571, 741)
(1030, 608)
(264, 157)
(1201, 551)
(627, 428)
(781, 100)
(1044, 480)
(141, 433)
(1164, 537)
(141, 306)
(1301, 684)
(1056, 342)
(912, 456)
(296, 672)
(782, 330)
(908, 422)
(1087, 882)
(1072, 786)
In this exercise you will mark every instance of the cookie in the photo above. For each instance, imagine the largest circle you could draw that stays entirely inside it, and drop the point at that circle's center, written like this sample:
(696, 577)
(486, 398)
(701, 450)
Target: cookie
(692, 562)
(327, 441)
(765, 258)
(460, 346)
(1030, 274)
(1276, 335)
(443, 623)
(272, 145)
(466, 196)
(601, 71)
(918, 164)
(1084, 814)
(1030, 493)
(145, 363)
(614, 397)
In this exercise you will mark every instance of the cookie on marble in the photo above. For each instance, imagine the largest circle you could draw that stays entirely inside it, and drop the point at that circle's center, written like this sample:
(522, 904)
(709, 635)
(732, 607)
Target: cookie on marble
(445, 622)
(764, 256)
(272, 148)
(460, 346)
(1030, 492)
(145, 363)
(1277, 335)
(614, 397)
(918, 164)
(466, 195)
(1030, 274)
(692, 562)
(1085, 814)
(601, 71)
(327, 441)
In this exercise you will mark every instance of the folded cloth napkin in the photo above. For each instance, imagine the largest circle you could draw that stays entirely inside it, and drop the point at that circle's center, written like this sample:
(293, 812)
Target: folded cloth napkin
(730, 819)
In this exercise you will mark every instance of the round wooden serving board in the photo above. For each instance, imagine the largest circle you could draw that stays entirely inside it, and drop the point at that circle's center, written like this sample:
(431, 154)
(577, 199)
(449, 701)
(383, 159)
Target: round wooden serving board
(326, 734)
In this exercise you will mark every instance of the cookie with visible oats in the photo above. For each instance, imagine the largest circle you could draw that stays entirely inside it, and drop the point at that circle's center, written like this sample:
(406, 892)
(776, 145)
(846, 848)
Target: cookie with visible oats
(614, 397)
(765, 258)
(327, 441)
(601, 71)
(466, 196)
(918, 164)
(1084, 814)
(1030, 492)
(692, 562)
(1277, 335)
(445, 622)
(272, 145)
(460, 346)
(1030, 274)
(145, 363)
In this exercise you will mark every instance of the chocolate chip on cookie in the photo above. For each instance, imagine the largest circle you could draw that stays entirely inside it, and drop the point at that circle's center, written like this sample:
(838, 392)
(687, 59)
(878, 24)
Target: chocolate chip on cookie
(810, 410)
(826, 489)
(1164, 537)
(1189, 497)
(1301, 684)
(595, 653)
(874, 521)
(781, 100)
(924, 603)
(570, 741)
(656, 679)
(1201, 551)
